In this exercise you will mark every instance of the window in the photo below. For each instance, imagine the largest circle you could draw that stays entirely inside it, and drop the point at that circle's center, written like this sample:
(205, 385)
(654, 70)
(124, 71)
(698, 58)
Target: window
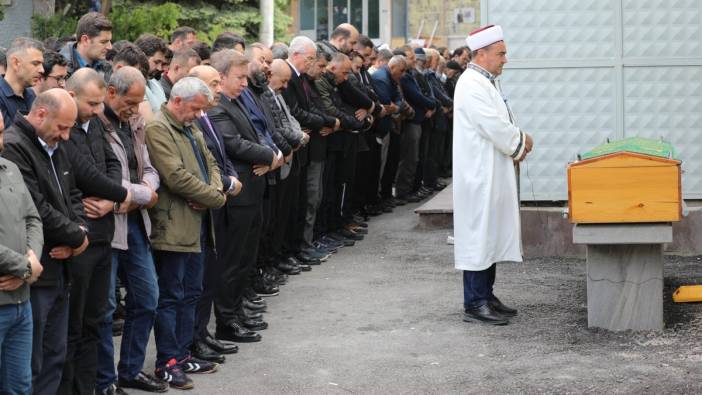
(322, 20)
(340, 12)
(356, 16)
(373, 19)
(307, 14)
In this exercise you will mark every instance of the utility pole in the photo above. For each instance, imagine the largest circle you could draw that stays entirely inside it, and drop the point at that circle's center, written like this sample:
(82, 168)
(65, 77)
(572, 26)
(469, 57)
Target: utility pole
(266, 30)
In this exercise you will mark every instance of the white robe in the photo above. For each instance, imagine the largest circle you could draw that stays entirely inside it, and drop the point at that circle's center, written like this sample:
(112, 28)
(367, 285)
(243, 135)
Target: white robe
(485, 203)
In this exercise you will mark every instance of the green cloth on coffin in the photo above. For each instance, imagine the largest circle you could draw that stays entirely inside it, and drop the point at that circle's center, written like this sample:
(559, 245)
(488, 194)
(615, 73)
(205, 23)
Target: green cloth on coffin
(637, 145)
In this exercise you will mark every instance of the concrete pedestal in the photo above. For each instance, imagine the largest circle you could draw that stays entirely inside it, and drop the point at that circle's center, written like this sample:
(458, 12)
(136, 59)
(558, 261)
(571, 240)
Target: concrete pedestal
(624, 274)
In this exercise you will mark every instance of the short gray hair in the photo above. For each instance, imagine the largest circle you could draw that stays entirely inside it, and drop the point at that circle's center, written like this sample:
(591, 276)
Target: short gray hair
(397, 60)
(300, 44)
(225, 59)
(124, 78)
(280, 51)
(190, 87)
(22, 44)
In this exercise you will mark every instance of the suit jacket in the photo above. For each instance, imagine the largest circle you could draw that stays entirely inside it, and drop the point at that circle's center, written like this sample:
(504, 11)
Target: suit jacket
(415, 96)
(309, 116)
(98, 173)
(215, 142)
(59, 205)
(243, 147)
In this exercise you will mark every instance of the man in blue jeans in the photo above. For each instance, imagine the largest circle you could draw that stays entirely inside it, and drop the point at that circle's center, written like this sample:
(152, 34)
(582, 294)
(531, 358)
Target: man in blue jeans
(131, 251)
(21, 238)
(191, 186)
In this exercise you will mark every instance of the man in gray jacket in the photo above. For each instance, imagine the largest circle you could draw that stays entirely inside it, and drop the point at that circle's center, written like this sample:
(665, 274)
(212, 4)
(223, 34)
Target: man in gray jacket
(21, 239)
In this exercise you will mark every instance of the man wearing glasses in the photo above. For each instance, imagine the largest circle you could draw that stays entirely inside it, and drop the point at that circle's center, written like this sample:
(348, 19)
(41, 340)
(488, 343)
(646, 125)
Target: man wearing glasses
(55, 72)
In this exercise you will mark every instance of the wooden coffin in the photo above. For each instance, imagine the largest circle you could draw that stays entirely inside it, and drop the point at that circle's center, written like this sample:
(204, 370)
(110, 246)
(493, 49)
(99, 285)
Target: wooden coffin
(624, 186)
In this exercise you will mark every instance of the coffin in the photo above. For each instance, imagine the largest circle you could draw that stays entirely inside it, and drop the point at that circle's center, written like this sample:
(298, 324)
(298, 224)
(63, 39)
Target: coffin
(632, 180)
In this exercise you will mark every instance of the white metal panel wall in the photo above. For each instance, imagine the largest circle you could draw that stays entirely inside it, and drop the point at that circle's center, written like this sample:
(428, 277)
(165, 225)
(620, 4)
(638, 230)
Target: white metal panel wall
(582, 71)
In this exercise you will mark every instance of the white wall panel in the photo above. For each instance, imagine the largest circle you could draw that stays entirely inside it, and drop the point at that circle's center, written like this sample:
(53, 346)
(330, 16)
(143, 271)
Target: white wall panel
(582, 71)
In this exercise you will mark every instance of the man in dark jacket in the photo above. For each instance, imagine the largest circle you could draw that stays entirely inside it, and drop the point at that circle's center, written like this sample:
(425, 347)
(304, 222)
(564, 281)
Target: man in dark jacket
(302, 58)
(252, 159)
(435, 143)
(102, 194)
(21, 239)
(32, 143)
(205, 346)
(342, 147)
(386, 82)
(424, 106)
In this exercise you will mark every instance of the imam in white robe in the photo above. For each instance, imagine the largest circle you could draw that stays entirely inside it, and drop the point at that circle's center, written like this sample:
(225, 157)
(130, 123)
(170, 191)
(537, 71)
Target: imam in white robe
(485, 203)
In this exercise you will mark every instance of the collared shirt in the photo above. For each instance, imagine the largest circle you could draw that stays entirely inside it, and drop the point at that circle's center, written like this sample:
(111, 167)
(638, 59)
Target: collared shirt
(294, 68)
(483, 72)
(82, 63)
(11, 103)
(85, 126)
(50, 150)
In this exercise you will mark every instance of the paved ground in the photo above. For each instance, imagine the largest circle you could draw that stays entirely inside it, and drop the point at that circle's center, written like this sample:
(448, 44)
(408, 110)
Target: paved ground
(385, 317)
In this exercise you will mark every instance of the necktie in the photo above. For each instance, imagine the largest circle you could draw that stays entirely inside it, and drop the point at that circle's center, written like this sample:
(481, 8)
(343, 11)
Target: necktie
(198, 154)
(306, 87)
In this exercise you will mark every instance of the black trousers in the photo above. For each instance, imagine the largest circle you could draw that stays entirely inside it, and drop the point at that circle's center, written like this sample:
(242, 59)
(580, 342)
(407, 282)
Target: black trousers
(50, 316)
(270, 215)
(391, 163)
(212, 278)
(239, 253)
(371, 184)
(339, 174)
(289, 235)
(90, 273)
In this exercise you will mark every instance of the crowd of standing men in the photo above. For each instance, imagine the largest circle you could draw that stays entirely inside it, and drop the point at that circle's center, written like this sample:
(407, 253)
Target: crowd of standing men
(197, 179)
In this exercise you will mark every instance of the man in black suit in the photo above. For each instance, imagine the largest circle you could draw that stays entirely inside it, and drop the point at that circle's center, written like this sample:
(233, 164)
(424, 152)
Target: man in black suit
(205, 346)
(34, 143)
(252, 159)
(302, 55)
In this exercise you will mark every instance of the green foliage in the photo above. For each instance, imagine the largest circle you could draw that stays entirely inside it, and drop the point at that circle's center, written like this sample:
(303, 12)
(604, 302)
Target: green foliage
(57, 25)
(131, 18)
(2, 12)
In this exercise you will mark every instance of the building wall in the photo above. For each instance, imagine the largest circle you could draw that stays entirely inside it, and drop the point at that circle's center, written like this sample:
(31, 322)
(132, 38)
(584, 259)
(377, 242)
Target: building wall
(17, 21)
(453, 20)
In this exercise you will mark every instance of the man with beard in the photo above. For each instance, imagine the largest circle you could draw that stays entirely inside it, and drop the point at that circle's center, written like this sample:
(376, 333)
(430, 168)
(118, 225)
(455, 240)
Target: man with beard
(262, 119)
(35, 143)
(55, 72)
(24, 68)
(155, 50)
(183, 60)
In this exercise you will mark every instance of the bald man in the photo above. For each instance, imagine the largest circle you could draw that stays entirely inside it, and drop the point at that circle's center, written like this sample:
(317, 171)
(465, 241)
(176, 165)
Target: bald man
(205, 346)
(35, 143)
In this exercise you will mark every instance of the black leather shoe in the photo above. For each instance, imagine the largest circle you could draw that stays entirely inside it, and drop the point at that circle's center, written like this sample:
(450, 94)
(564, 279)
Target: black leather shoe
(143, 382)
(497, 305)
(253, 306)
(305, 258)
(485, 314)
(252, 296)
(263, 289)
(288, 268)
(253, 324)
(254, 315)
(201, 350)
(236, 332)
(411, 198)
(221, 346)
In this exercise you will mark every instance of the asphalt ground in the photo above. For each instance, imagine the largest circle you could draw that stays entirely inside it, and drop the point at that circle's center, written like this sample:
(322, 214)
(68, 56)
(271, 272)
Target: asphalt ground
(385, 317)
